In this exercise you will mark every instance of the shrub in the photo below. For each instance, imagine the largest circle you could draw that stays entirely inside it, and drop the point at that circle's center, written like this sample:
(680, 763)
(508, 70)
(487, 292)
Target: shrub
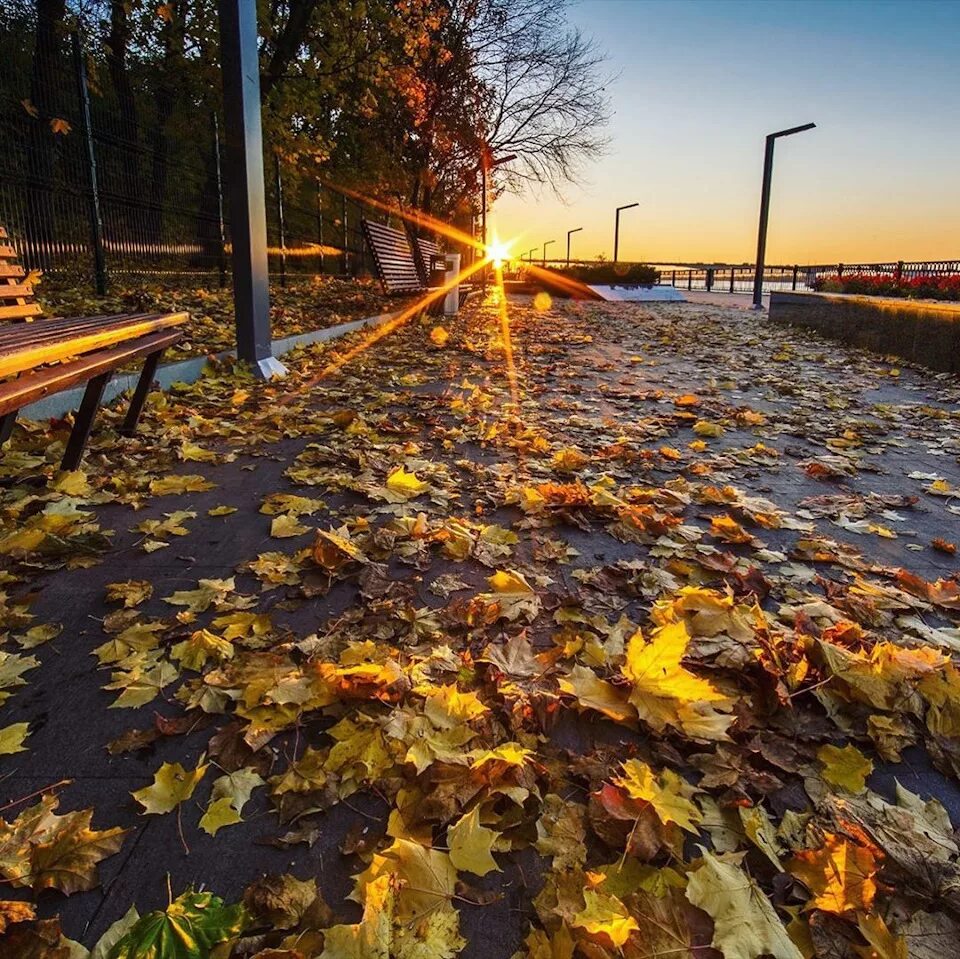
(623, 274)
(916, 288)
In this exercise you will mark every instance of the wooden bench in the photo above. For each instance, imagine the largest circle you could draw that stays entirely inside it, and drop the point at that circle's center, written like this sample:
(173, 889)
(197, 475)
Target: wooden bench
(43, 356)
(403, 261)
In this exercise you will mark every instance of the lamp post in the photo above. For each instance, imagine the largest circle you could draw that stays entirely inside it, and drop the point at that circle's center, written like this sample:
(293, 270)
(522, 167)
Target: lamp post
(487, 162)
(530, 253)
(616, 229)
(765, 208)
(545, 245)
(569, 234)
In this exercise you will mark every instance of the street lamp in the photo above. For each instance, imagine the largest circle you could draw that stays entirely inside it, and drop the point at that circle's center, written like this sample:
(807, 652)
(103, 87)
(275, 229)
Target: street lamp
(616, 229)
(545, 245)
(765, 208)
(487, 162)
(530, 253)
(569, 234)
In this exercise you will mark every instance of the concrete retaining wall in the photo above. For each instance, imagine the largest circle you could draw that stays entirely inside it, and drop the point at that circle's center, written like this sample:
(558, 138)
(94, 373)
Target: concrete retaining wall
(924, 331)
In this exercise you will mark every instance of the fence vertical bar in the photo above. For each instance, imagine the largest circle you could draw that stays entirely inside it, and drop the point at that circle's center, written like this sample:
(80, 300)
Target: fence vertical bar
(320, 222)
(796, 270)
(96, 218)
(732, 270)
(689, 279)
(281, 226)
(898, 273)
(346, 236)
(673, 281)
(222, 257)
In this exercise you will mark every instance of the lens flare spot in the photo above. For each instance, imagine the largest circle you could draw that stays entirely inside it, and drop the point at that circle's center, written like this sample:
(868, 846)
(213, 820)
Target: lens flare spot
(542, 302)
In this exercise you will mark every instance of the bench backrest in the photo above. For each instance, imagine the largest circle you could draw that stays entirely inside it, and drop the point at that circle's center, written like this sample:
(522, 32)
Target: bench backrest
(16, 297)
(393, 257)
(423, 249)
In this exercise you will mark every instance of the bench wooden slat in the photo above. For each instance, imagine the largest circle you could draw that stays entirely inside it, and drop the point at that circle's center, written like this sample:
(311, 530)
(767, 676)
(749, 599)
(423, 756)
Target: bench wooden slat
(32, 355)
(11, 269)
(14, 336)
(15, 290)
(393, 257)
(31, 387)
(20, 311)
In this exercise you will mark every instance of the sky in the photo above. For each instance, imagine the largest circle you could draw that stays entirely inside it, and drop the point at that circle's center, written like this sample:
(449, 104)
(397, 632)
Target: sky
(697, 86)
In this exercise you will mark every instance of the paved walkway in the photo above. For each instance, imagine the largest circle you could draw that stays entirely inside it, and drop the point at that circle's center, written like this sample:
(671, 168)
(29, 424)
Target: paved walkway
(831, 465)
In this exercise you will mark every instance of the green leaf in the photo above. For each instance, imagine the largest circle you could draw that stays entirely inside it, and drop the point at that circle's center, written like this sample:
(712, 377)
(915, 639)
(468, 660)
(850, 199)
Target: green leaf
(187, 929)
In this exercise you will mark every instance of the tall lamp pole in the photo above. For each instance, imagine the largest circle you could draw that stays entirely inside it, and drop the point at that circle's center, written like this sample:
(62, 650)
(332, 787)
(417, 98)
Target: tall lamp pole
(487, 162)
(530, 253)
(569, 234)
(765, 207)
(616, 229)
(545, 245)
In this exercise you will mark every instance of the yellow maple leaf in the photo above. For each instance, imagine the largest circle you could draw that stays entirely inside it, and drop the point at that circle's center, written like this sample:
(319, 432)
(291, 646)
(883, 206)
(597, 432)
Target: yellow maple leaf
(839, 875)
(406, 485)
(470, 844)
(667, 792)
(665, 693)
(606, 916)
(846, 767)
(172, 785)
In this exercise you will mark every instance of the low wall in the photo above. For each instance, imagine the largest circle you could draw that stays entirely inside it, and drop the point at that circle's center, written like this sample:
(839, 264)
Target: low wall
(924, 331)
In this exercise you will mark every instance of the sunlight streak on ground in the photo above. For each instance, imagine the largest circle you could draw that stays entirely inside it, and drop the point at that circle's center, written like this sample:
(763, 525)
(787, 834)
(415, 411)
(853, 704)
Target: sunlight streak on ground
(395, 323)
(505, 336)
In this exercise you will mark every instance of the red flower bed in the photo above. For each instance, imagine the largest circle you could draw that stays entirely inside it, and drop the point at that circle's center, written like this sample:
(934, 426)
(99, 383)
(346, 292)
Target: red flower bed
(915, 288)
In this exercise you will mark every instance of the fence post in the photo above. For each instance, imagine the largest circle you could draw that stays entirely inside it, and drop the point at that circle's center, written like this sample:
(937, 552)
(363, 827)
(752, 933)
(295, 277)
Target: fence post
(732, 274)
(793, 285)
(708, 280)
(673, 280)
(689, 279)
(96, 219)
(280, 224)
(346, 253)
(222, 258)
(839, 269)
(898, 273)
(320, 222)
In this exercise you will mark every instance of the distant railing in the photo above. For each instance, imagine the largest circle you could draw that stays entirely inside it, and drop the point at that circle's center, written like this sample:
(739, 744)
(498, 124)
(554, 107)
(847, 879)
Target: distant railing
(724, 278)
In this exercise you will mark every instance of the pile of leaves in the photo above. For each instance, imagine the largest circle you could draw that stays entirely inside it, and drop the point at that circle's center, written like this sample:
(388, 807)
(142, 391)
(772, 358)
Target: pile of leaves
(303, 305)
(569, 669)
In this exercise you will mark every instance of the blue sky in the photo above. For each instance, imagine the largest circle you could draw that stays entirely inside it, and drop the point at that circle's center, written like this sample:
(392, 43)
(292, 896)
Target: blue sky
(699, 84)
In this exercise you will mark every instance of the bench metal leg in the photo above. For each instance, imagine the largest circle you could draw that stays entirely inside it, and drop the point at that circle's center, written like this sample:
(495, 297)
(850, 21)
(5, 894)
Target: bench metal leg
(7, 422)
(84, 421)
(140, 394)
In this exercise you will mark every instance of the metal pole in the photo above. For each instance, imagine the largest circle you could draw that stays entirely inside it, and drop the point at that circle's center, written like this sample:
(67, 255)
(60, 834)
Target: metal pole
(320, 222)
(483, 219)
(793, 284)
(545, 245)
(616, 229)
(732, 273)
(764, 218)
(346, 237)
(222, 257)
(248, 211)
(765, 208)
(569, 234)
(96, 218)
(280, 224)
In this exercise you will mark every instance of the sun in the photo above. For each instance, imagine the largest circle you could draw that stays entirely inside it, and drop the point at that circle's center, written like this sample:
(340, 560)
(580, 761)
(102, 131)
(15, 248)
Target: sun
(498, 253)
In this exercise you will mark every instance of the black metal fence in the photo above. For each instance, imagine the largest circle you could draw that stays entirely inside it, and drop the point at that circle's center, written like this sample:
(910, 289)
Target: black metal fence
(723, 278)
(91, 188)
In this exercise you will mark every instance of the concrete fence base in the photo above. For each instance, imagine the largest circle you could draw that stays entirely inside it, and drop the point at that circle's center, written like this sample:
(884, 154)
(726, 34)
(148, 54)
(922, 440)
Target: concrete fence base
(924, 331)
